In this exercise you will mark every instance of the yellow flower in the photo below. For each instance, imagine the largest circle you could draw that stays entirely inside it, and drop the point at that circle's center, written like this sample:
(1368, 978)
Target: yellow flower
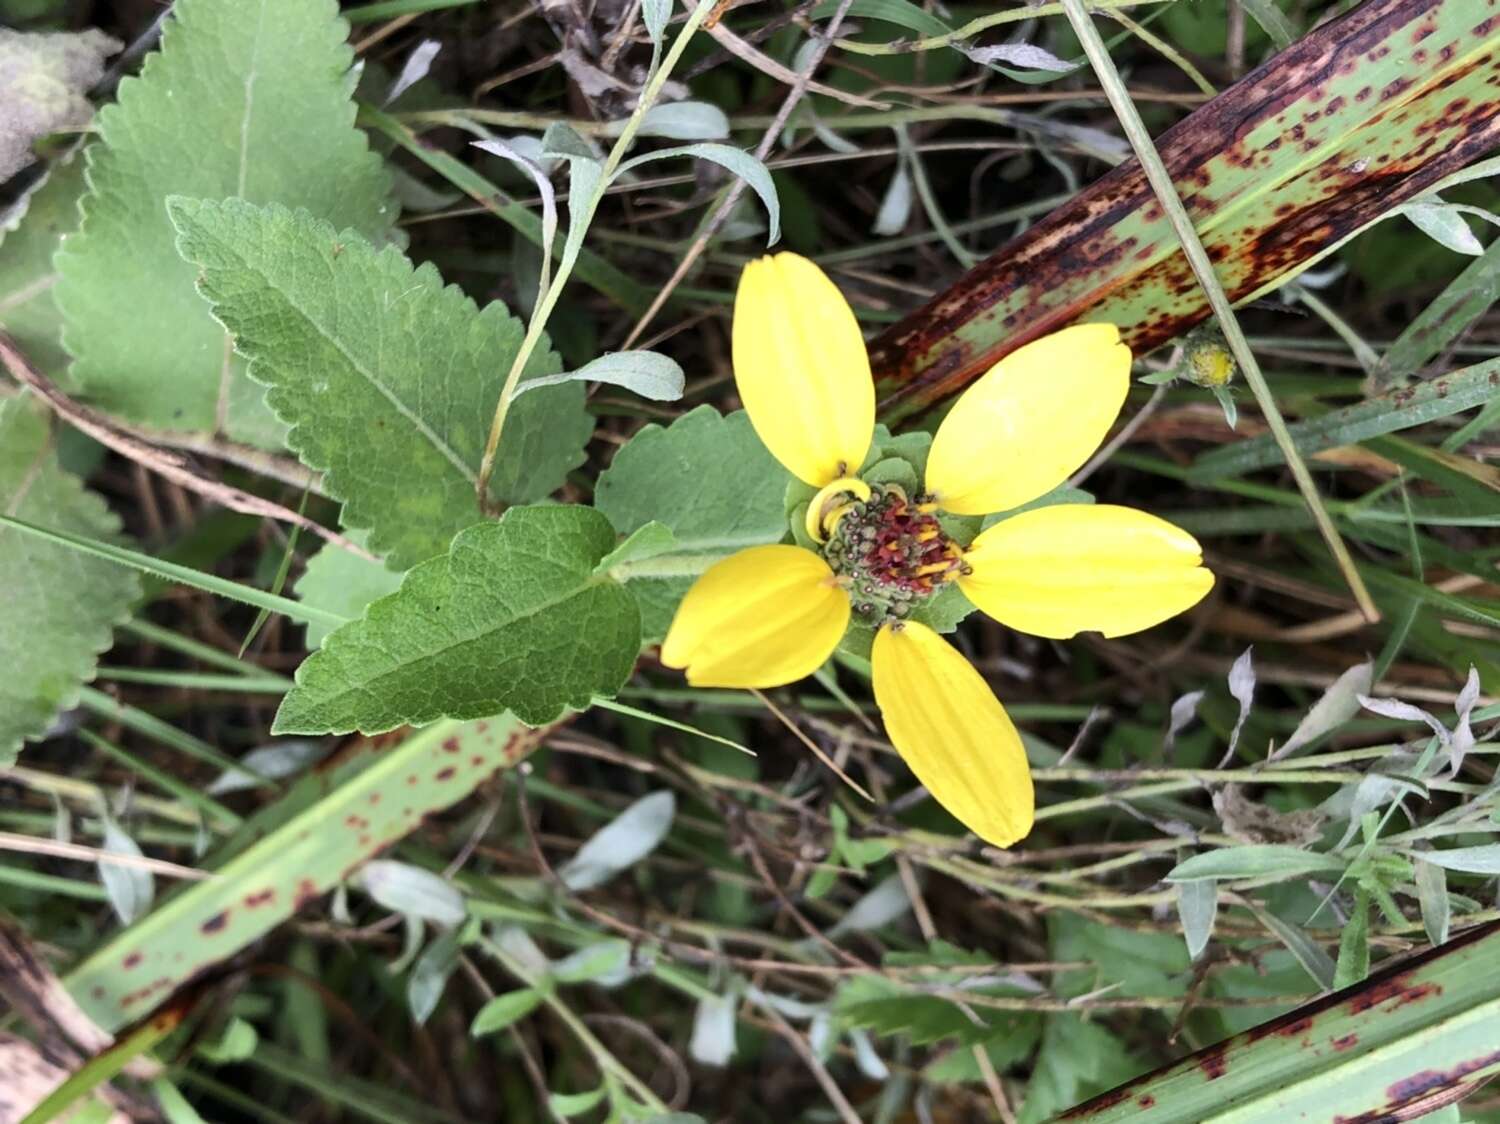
(770, 615)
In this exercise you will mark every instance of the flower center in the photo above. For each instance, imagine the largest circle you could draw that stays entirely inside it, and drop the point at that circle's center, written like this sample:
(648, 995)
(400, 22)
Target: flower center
(891, 551)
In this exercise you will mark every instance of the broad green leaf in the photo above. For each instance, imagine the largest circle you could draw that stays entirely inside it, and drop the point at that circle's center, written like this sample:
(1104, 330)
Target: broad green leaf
(30, 234)
(59, 606)
(44, 82)
(386, 376)
(246, 99)
(707, 479)
(650, 540)
(503, 1010)
(1353, 963)
(887, 1008)
(1254, 860)
(344, 583)
(576, 1104)
(902, 13)
(511, 618)
(1077, 1059)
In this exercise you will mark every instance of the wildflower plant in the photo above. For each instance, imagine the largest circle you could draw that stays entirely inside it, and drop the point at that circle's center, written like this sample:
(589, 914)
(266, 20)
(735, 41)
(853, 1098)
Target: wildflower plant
(891, 537)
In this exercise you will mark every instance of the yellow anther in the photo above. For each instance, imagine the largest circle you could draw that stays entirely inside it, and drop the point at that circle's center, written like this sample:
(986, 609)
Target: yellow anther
(823, 503)
(928, 535)
(933, 568)
(927, 508)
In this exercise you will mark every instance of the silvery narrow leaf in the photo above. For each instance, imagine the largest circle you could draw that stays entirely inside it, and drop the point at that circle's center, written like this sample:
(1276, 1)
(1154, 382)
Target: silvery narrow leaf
(685, 120)
(517, 944)
(1197, 906)
(1484, 859)
(713, 1030)
(1463, 732)
(647, 373)
(1225, 397)
(740, 163)
(879, 907)
(623, 842)
(1242, 687)
(656, 14)
(1405, 712)
(607, 964)
(870, 1063)
(895, 205)
(1337, 705)
(1184, 710)
(429, 975)
(820, 1035)
(417, 64)
(1432, 895)
(414, 932)
(1443, 225)
(548, 197)
(410, 889)
(791, 1008)
(1372, 792)
(1025, 55)
(274, 762)
(129, 888)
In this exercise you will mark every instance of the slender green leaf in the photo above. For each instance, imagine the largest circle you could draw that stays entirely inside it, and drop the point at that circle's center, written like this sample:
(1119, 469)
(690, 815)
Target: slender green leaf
(1254, 860)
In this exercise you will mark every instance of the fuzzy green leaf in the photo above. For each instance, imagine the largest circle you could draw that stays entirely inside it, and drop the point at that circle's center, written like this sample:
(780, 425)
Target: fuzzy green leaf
(30, 234)
(387, 377)
(512, 618)
(44, 79)
(59, 605)
(708, 480)
(248, 99)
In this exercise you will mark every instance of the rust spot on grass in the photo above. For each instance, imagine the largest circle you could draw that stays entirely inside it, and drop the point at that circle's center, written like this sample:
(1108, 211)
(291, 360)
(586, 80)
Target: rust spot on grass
(215, 923)
(447, 773)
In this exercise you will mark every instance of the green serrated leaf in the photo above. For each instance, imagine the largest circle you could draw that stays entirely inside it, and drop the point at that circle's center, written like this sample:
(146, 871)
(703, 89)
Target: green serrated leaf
(513, 617)
(888, 1008)
(343, 583)
(386, 376)
(59, 606)
(243, 99)
(709, 480)
(30, 234)
(1077, 1059)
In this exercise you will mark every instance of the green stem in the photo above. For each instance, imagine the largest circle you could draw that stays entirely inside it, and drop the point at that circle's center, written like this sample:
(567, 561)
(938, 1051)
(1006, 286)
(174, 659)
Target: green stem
(1192, 248)
(605, 1060)
(580, 218)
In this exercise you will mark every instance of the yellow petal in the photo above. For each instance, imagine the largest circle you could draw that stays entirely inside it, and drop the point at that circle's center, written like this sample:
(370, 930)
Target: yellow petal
(801, 368)
(953, 733)
(1030, 421)
(1057, 571)
(760, 618)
